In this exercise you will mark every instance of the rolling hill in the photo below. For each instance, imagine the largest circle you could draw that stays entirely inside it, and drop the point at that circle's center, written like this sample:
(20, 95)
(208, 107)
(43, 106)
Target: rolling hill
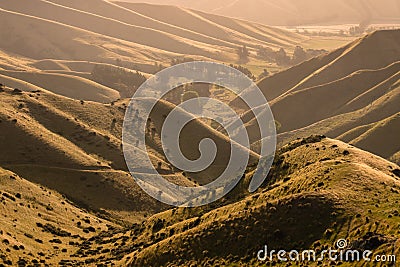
(68, 43)
(65, 84)
(47, 140)
(371, 138)
(324, 176)
(326, 184)
(116, 36)
(138, 34)
(39, 226)
(62, 143)
(295, 13)
(217, 26)
(345, 89)
(68, 197)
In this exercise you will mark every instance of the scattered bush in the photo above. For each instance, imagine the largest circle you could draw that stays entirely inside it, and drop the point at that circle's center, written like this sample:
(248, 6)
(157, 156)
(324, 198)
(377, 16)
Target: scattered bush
(17, 91)
(264, 74)
(158, 225)
(56, 241)
(53, 230)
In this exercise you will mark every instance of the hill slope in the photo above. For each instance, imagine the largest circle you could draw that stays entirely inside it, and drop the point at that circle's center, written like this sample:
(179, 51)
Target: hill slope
(294, 13)
(69, 43)
(224, 28)
(325, 183)
(371, 139)
(373, 51)
(336, 93)
(40, 226)
(351, 125)
(118, 36)
(64, 143)
(73, 147)
(67, 197)
(193, 35)
(66, 85)
(319, 190)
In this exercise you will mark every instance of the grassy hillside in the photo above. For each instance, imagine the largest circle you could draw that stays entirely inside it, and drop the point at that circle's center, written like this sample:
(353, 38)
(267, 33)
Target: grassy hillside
(143, 38)
(68, 198)
(341, 92)
(336, 183)
(350, 125)
(73, 147)
(194, 35)
(20, 84)
(40, 226)
(324, 177)
(63, 143)
(374, 51)
(190, 138)
(67, 85)
(67, 42)
(334, 94)
(235, 31)
(294, 13)
(110, 27)
(14, 62)
(371, 139)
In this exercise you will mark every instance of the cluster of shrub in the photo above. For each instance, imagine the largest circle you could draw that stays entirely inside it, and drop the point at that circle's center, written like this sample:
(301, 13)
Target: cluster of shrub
(282, 58)
(188, 91)
(124, 81)
(244, 70)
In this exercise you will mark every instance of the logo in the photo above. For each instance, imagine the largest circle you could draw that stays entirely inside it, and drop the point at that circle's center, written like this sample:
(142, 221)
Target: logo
(136, 132)
(341, 244)
(342, 252)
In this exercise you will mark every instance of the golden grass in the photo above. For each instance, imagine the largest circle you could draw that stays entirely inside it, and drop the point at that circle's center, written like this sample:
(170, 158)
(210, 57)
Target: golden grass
(67, 85)
(324, 179)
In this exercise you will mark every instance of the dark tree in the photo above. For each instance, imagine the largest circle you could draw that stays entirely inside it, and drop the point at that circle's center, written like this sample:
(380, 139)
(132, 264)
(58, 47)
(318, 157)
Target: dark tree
(299, 55)
(243, 54)
(281, 57)
(265, 53)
